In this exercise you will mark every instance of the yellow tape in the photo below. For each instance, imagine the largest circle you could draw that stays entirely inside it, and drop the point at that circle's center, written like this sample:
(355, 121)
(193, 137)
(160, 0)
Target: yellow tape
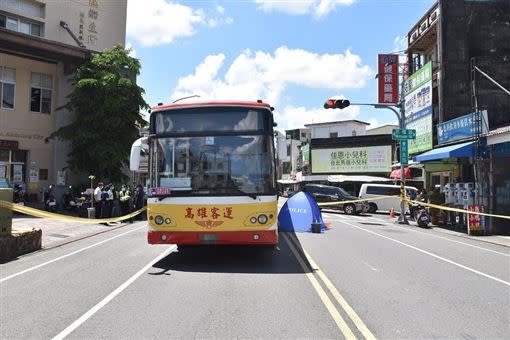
(440, 207)
(41, 213)
(355, 201)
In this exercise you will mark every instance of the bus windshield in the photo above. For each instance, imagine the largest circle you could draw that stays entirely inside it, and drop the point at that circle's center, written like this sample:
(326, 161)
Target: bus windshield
(215, 165)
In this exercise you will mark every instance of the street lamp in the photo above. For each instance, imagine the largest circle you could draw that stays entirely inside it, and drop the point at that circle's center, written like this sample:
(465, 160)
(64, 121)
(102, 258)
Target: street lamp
(343, 103)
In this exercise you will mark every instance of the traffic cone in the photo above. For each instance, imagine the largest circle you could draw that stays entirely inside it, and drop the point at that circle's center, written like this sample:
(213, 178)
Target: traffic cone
(392, 212)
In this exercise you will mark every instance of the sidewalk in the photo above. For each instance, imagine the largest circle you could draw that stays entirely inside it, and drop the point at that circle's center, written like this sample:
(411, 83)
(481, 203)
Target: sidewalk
(57, 232)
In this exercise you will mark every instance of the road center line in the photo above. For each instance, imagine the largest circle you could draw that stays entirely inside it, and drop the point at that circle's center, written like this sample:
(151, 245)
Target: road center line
(69, 329)
(339, 298)
(432, 254)
(340, 322)
(67, 255)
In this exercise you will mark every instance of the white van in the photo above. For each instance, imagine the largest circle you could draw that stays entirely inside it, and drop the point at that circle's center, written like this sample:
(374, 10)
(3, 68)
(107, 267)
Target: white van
(372, 190)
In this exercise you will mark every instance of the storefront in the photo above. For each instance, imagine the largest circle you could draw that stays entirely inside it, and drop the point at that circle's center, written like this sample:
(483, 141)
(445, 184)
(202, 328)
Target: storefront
(499, 143)
(12, 162)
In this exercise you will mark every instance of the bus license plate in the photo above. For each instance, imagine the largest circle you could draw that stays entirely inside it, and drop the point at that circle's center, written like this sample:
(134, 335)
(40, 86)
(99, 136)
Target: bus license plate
(209, 237)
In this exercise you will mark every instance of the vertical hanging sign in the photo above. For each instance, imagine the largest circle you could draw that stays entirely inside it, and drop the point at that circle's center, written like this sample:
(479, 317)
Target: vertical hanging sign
(387, 75)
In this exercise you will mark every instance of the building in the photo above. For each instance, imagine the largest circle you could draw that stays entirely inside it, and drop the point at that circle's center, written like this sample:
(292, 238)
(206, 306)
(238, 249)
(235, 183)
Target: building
(342, 128)
(41, 44)
(382, 130)
(462, 46)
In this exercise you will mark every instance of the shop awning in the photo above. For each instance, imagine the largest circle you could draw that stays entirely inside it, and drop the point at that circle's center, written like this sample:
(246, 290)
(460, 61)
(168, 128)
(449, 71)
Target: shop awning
(365, 179)
(396, 173)
(452, 151)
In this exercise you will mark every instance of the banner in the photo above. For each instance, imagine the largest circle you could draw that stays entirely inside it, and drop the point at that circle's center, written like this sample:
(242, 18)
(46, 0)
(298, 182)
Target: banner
(387, 70)
(362, 159)
(418, 108)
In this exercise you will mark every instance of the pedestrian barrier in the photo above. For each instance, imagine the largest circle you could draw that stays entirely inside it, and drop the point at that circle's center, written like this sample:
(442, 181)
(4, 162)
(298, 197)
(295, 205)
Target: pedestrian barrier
(40, 213)
(355, 201)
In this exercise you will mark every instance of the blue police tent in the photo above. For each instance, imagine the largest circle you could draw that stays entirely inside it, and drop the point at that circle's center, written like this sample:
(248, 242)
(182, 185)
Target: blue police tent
(298, 214)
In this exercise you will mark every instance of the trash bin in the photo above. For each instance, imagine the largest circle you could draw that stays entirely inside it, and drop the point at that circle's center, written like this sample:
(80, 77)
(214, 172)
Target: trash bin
(91, 212)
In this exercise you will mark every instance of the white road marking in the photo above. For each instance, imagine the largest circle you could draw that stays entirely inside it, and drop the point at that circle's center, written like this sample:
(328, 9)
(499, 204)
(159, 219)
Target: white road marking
(432, 254)
(67, 255)
(389, 223)
(69, 329)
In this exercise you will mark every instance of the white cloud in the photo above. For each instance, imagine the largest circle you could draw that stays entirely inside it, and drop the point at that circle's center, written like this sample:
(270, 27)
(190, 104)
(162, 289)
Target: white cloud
(292, 117)
(262, 75)
(399, 43)
(157, 22)
(318, 8)
(132, 52)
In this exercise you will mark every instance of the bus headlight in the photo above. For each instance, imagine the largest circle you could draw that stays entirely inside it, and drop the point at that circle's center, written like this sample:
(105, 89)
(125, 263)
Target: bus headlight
(158, 220)
(253, 220)
(263, 219)
(168, 220)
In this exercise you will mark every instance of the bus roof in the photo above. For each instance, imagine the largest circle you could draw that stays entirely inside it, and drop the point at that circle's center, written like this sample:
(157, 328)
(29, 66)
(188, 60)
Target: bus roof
(210, 104)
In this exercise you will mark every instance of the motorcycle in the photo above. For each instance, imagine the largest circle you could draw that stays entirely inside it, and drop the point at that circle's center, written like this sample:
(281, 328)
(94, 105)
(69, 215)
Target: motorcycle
(51, 204)
(18, 194)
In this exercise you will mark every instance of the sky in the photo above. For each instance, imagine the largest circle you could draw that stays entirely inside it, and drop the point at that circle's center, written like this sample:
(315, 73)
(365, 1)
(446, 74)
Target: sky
(293, 55)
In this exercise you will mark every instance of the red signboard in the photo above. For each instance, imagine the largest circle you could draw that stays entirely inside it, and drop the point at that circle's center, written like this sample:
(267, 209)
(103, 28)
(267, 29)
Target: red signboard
(8, 144)
(387, 73)
(475, 221)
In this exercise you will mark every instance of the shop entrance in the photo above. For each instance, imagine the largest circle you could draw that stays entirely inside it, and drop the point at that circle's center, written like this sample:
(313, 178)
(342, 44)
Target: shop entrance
(13, 165)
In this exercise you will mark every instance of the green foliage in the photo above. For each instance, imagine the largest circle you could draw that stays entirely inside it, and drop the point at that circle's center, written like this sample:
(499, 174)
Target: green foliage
(107, 105)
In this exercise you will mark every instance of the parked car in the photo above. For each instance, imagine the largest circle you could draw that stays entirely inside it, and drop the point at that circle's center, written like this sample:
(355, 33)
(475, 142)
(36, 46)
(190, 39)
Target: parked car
(325, 193)
(373, 190)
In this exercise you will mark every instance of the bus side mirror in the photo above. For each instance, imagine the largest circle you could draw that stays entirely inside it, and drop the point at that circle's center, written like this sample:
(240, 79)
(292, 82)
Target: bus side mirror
(134, 158)
(136, 150)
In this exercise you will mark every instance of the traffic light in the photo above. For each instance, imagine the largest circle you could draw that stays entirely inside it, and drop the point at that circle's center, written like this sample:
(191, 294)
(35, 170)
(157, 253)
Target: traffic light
(336, 104)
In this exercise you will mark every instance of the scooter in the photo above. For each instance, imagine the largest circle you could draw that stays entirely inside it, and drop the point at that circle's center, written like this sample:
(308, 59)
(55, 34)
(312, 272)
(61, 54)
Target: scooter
(51, 204)
(422, 217)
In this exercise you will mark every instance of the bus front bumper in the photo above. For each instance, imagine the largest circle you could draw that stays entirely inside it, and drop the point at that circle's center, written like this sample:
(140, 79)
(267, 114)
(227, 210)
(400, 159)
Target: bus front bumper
(263, 237)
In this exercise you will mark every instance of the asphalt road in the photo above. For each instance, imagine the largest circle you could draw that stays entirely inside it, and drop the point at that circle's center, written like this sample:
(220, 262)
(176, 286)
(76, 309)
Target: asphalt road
(364, 278)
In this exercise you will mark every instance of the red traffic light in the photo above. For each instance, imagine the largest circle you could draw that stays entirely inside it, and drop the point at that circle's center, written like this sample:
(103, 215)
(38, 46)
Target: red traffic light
(336, 104)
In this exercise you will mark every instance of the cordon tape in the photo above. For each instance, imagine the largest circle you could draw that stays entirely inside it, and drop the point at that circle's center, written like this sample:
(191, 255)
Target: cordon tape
(40, 213)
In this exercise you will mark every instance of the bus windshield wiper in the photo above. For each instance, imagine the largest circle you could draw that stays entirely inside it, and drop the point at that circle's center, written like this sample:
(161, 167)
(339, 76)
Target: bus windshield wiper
(245, 193)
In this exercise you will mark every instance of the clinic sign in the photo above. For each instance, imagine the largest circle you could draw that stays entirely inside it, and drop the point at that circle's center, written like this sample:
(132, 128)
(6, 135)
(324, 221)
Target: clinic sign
(387, 70)
(418, 108)
(464, 127)
(352, 160)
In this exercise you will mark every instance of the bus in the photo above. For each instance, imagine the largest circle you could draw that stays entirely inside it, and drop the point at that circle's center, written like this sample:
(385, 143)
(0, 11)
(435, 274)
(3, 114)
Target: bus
(212, 173)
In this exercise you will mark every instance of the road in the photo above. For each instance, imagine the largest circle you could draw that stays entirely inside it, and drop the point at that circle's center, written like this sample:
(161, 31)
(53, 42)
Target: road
(364, 278)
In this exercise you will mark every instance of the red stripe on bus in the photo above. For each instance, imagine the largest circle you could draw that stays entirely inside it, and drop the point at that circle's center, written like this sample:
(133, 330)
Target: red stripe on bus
(266, 237)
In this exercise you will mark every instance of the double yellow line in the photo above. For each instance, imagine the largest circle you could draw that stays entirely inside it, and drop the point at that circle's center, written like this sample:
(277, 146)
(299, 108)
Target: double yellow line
(330, 306)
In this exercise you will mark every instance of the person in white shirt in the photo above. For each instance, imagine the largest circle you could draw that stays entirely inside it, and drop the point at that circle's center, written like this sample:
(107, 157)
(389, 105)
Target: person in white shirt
(97, 199)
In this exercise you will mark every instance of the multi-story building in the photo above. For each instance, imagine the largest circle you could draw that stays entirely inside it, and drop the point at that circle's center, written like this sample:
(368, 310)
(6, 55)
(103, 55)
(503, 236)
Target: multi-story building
(41, 44)
(466, 44)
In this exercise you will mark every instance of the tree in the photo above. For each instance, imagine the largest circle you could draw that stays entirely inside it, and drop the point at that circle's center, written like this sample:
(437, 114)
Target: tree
(107, 105)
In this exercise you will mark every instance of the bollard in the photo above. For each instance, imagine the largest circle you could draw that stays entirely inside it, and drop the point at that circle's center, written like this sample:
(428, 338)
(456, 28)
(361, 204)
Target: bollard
(5, 214)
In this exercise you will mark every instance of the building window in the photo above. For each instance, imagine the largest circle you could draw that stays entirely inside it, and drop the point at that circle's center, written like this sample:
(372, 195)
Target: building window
(354, 132)
(7, 87)
(43, 174)
(19, 25)
(40, 93)
(288, 150)
(333, 135)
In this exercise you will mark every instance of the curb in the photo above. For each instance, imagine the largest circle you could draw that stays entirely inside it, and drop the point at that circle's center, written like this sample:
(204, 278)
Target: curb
(462, 235)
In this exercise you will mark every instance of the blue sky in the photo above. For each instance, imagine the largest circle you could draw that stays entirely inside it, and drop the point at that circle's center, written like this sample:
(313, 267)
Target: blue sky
(292, 54)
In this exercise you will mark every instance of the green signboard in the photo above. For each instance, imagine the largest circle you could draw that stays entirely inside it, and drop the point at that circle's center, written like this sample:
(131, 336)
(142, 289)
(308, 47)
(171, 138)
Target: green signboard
(404, 152)
(363, 159)
(403, 134)
(305, 151)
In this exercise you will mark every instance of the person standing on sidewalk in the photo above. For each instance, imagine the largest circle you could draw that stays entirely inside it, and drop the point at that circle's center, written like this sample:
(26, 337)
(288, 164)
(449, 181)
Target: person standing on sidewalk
(97, 199)
(125, 202)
